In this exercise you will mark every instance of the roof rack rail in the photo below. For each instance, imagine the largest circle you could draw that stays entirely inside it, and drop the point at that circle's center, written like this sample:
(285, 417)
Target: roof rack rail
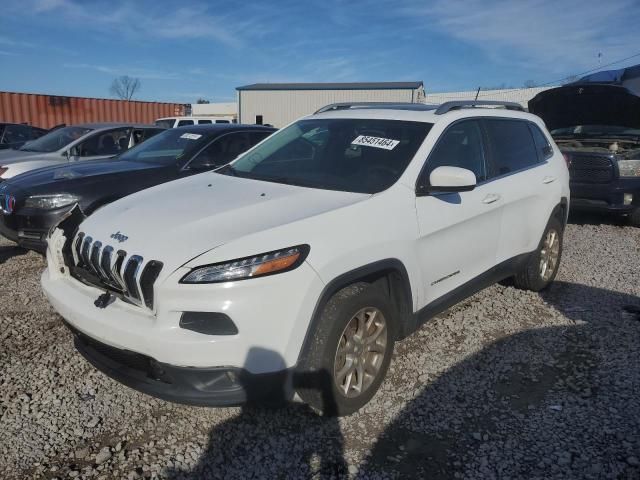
(398, 105)
(458, 104)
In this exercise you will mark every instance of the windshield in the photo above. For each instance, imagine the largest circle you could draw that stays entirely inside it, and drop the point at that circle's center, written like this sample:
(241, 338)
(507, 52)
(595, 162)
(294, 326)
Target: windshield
(165, 123)
(168, 147)
(595, 131)
(55, 140)
(354, 155)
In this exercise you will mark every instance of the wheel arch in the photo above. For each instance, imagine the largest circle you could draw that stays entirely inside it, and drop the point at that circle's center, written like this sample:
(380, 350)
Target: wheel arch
(390, 275)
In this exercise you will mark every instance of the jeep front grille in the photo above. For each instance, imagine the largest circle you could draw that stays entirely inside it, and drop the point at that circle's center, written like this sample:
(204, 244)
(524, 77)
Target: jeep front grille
(104, 267)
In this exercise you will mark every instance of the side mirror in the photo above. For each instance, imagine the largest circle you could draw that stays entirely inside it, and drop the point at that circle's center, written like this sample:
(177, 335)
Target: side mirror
(449, 180)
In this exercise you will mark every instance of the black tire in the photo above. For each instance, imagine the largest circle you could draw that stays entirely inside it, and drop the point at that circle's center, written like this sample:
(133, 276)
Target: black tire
(634, 217)
(529, 277)
(314, 380)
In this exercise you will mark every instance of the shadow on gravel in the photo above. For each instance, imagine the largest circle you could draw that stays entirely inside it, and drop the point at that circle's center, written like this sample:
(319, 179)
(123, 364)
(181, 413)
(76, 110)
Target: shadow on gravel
(596, 218)
(9, 251)
(558, 402)
(258, 442)
(555, 402)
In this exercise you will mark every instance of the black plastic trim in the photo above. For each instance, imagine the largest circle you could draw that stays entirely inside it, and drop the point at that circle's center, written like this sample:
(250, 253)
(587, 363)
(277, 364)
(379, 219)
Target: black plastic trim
(208, 323)
(503, 270)
(360, 273)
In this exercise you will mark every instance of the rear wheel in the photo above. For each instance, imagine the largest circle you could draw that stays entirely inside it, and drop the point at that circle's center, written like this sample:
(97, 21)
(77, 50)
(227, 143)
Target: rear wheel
(351, 351)
(542, 266)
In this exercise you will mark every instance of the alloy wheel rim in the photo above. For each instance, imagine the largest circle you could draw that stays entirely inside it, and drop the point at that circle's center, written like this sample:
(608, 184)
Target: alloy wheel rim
(360, 353)
(549, 254)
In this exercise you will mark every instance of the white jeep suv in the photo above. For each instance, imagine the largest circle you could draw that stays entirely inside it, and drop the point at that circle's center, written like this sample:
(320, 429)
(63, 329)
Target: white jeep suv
(295, 268)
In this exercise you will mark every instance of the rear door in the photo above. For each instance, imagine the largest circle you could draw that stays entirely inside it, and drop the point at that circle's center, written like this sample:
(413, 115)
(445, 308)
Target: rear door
(459, 232)
(520, 171)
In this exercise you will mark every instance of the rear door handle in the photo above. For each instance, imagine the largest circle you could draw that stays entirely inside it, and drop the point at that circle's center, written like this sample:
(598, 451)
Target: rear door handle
(548, 179)
(491, 198)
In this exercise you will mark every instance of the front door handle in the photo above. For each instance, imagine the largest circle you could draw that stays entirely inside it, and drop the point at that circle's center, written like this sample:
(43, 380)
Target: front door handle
(548, 179)
(491, 198)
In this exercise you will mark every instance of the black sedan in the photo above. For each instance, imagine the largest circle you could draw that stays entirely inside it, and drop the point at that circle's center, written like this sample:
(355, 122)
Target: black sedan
(32, 203)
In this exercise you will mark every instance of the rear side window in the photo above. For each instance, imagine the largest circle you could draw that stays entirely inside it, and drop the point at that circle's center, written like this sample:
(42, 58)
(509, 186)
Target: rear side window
(542, 144)
(460, 146)
(222, 121)
(512, 146)
(16, 134)
(203, 122)
(182, 123)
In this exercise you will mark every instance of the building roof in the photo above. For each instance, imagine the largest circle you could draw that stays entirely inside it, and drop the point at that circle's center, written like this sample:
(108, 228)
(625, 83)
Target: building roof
(334, 86)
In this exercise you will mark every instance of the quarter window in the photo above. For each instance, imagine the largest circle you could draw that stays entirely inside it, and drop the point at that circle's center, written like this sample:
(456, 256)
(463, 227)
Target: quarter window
(460, 146)
(512, 146)
(542, 144)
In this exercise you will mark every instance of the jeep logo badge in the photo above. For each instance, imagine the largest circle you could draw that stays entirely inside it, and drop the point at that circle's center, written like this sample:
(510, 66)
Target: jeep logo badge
(119, 237)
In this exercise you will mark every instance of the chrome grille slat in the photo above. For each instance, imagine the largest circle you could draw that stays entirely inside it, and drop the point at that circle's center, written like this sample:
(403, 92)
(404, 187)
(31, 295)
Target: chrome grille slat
(131, 274)
(116, 269)
(84, 254)
(94, 257)
(105, 263)
(77, 248)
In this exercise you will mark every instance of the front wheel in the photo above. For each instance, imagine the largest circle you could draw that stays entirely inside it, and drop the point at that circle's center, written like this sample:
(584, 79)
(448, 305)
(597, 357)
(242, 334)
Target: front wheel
(350, 352)
(542, 267)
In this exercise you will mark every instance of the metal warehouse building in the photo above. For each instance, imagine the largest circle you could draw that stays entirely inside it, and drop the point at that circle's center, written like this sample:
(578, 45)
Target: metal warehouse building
(280, 103)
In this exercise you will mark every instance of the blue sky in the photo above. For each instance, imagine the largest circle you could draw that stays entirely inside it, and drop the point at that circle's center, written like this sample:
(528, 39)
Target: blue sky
(182, 50)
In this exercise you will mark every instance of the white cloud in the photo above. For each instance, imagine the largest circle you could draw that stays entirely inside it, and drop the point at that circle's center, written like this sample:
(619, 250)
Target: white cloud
(150, 20)
(137, 72)
(554, 35)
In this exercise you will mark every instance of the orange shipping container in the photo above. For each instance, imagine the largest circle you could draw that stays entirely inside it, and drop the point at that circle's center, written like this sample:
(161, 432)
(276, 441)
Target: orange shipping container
(46, 111)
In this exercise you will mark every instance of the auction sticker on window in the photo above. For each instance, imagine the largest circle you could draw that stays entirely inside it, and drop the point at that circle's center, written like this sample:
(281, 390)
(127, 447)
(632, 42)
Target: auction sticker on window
(377, 142)
(190, 136)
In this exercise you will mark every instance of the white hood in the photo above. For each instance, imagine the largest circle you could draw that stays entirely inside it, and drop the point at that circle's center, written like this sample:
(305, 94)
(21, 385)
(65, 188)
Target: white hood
(180, 220)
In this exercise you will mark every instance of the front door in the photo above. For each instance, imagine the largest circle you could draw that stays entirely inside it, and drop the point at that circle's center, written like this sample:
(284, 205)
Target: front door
(459, 232)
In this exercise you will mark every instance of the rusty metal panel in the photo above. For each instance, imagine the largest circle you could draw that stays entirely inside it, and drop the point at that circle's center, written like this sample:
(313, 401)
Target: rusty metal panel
(45, 111)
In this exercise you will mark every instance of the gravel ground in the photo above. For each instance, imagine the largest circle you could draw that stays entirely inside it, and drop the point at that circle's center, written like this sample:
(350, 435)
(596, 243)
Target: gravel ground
(509, 384)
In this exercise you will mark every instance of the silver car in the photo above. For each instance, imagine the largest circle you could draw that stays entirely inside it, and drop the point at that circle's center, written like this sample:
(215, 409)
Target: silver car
(89, 141)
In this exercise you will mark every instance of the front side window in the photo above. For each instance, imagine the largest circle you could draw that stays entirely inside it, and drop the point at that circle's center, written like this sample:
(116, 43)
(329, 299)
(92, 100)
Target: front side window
(461, 146)
(182, 123)
(112, 142)
(225, 149)
(170, 147)
(512, 146)
(56, 140)
(354, 155)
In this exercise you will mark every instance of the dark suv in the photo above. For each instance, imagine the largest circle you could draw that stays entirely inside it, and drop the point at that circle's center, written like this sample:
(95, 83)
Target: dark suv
(596, 123)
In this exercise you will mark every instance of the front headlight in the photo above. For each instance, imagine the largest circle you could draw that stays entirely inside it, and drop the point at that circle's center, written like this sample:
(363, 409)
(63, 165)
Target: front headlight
(629, 168)
(49, 202)
(258, 266)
